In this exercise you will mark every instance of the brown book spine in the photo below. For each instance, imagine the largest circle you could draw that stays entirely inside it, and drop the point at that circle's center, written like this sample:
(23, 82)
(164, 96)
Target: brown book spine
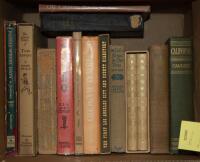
(27, 96)
(159, 98)
(78, 104)
(117, 98)
(65, 8)
(131, 101)
(47, 118)
(142, 100)
(91, 102)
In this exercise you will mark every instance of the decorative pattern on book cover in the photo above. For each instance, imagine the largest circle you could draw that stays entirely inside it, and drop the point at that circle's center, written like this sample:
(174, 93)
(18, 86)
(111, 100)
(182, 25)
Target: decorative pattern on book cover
(10, 86)
(137, 91)
(159, 98)
(27, 89)
(181, 86)
(78, 101)
(65, 98)
(104, 42)
(47, 118)
(91, 95)
(117, 98)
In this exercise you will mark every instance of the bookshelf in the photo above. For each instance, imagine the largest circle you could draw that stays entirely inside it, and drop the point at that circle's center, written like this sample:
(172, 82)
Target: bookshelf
(168, 18)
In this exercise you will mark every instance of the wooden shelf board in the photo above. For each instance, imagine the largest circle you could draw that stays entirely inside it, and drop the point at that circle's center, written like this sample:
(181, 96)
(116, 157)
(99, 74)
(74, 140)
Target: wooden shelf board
(101, 158)
(106, 2)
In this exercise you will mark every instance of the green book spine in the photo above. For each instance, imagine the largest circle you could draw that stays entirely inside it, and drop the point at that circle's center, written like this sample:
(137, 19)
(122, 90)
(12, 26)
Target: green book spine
(181, 87)
(104, 93)
(10, 81)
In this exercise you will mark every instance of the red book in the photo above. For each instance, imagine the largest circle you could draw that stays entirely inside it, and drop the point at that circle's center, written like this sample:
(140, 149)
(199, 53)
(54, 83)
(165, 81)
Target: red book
(65, 106)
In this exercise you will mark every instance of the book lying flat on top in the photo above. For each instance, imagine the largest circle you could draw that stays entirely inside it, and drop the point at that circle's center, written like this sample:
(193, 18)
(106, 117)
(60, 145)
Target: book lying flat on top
(116, 24)
(100, 9)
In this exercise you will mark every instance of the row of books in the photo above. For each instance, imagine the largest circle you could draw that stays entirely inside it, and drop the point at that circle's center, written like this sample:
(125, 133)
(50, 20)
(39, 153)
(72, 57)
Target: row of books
(90, 97)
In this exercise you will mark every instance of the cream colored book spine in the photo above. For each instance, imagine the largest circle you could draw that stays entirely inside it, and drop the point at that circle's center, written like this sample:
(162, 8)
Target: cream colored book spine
(142, 92)
(26, 90)
(131, 95)
(47, 118)
(91, 95)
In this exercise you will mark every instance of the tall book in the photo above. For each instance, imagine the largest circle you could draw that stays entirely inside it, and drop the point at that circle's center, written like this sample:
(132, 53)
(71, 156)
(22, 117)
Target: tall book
(47, 118)
(65, 96)
(117, 98)
(159, 98)
(91, 95)
(137, 97)
(78, 104)
(10, 86)
(181, 86)
(131, 102)
(104, 42)
(143, 100)
(29, 39)
(196, 40)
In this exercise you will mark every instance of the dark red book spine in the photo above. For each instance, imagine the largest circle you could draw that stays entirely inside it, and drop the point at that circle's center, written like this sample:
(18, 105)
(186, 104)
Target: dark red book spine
(65, 106)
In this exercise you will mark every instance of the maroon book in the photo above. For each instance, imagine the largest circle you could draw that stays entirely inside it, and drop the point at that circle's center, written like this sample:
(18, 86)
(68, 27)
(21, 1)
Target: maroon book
(65, 106)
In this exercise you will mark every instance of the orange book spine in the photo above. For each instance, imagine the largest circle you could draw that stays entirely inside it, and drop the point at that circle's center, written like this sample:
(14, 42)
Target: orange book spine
(91, 98)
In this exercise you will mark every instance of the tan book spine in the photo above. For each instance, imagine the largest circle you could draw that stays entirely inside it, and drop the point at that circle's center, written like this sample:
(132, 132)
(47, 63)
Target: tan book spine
(131, 97)
(91, 98)
(78, 104)
(26, 90)
(159, 98)
(142, 93)
(117, 98)
(47, 118)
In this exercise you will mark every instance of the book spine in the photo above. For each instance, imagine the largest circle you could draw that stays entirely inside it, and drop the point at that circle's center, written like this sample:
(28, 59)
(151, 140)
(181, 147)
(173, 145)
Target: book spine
(196, 40)
(91, 95)
(10, 82)
(104, 93)
(117, 98)
(142, 100)
(64, 8)
(78, 101)
(123, 25)
(26, 91)
(131, 102)
(47, 118)
(65, 99)
(159, 98)
(181, 87)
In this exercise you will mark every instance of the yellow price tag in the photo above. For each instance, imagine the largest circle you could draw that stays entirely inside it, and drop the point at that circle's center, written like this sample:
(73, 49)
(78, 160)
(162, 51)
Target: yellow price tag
(189, 136)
